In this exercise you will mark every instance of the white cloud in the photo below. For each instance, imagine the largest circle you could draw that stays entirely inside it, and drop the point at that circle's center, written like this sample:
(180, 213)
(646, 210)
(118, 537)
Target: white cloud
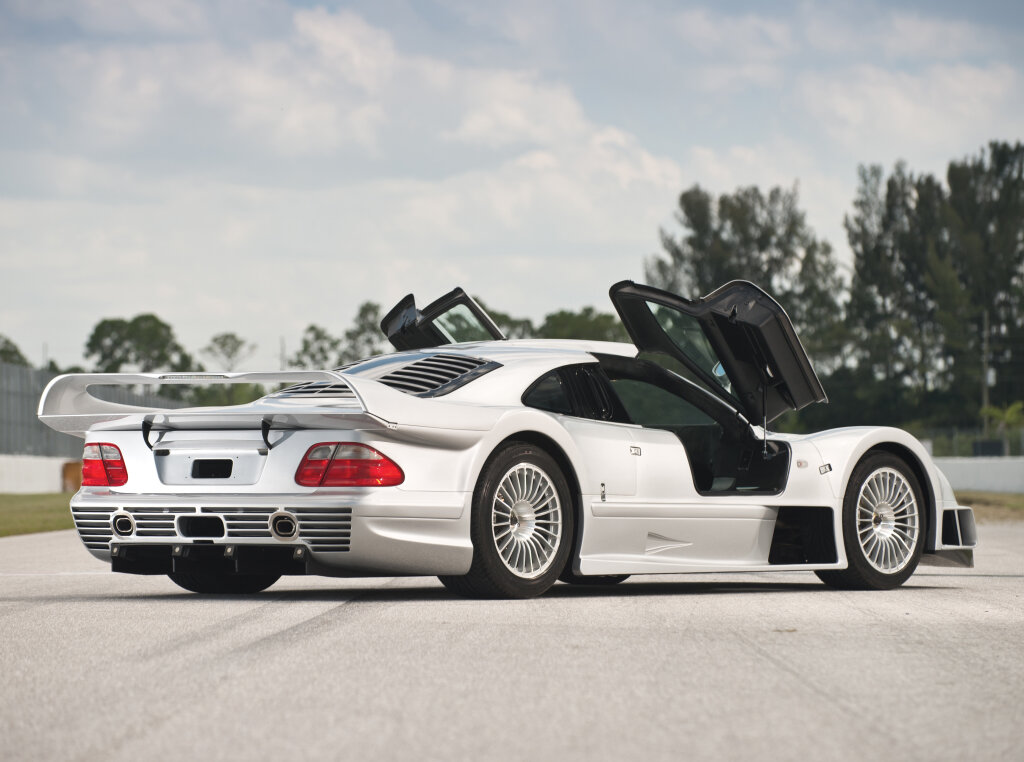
(172, 17)
(748, 37)
(931, 115)
(507, 108)
(349, 47)
(735, 52)
(897, 35)
(911, 35)
(549, 190)
(183, 157)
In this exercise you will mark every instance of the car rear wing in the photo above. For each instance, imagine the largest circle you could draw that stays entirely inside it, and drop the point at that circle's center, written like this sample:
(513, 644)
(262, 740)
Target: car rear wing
(314, 399)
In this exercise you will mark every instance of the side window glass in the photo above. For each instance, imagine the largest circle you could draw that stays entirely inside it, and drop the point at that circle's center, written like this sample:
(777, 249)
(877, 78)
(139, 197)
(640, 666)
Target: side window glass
(654, 407)
(549, 393)
(597, 398)
(459, 324)
(687, 334)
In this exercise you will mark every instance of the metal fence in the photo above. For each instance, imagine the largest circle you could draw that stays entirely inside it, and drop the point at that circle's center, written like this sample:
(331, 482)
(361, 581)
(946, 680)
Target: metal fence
(966, 443)
(21, 433)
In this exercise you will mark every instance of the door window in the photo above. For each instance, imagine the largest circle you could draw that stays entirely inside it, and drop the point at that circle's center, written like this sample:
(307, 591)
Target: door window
(686, 332)
(654, 407)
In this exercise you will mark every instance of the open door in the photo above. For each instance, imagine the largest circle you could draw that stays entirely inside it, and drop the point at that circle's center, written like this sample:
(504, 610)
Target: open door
(452, 319)
(737, 341)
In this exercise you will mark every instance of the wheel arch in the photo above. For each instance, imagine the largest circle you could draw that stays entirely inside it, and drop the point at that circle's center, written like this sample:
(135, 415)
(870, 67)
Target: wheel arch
(909, 457)
(555, 450)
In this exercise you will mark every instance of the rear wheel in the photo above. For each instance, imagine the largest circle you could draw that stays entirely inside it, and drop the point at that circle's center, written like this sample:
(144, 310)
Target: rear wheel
(883, 527)
(521, 526)
(222, 583)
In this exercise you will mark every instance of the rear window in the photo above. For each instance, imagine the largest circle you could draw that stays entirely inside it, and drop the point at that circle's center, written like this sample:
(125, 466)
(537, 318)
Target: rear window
(549, 393)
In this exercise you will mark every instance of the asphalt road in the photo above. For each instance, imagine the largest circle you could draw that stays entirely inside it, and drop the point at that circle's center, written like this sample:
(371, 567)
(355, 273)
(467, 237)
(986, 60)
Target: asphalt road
(741, 666)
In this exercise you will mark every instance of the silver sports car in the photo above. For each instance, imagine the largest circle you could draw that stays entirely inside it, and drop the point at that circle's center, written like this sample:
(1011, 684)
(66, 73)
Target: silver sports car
(503, 466)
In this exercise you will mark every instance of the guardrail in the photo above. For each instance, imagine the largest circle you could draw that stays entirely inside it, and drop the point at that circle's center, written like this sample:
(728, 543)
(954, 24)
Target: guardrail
(21, 433)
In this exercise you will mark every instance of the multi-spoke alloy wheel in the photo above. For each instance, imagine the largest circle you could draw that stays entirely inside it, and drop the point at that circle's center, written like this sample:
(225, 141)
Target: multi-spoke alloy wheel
(526, 520)
(521, 526)
(883, 525)
(887, 523)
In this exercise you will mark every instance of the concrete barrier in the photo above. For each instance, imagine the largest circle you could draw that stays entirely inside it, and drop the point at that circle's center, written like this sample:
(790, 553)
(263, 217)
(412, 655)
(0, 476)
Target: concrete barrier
(984, 474)
(24, 474)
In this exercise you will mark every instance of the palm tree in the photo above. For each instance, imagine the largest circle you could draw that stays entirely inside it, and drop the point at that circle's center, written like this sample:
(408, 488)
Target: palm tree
(1005, 418)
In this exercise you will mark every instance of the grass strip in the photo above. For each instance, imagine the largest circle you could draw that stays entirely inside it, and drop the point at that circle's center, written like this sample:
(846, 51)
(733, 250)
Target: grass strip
(993, 506)
(25, 514)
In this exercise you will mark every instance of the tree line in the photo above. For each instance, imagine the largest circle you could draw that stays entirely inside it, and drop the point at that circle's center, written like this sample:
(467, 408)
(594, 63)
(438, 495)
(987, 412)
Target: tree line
(924, 328)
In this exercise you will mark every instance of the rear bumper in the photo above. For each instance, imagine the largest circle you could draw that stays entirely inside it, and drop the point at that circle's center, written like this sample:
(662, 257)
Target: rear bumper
(336, 535)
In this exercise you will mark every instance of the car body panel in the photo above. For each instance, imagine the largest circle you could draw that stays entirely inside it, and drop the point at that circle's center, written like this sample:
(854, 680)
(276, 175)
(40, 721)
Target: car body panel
(634, 490)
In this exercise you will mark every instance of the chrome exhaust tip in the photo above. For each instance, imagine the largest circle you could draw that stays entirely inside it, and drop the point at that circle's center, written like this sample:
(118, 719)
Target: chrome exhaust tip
(284, 526)
(123, 524)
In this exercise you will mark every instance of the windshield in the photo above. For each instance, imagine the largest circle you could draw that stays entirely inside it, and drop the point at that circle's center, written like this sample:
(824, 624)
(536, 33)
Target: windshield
(686, 332)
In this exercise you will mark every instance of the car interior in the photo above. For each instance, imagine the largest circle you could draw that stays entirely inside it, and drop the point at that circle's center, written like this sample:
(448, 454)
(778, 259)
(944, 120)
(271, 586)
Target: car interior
(724, 455)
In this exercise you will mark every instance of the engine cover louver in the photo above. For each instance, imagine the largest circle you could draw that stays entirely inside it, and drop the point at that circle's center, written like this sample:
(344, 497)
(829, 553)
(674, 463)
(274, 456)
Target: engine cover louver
(437, 374)
(316, 390)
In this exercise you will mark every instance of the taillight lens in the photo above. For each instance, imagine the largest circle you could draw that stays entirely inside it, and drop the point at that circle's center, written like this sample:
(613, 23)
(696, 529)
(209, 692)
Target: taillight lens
(347, 464)
(103, 466)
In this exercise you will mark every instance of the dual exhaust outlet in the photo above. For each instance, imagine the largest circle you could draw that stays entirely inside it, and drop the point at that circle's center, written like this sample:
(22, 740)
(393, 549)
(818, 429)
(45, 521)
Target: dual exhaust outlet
(283, 526)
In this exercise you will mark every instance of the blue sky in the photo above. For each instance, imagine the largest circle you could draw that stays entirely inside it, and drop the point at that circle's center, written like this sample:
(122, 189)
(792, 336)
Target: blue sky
(255, 166)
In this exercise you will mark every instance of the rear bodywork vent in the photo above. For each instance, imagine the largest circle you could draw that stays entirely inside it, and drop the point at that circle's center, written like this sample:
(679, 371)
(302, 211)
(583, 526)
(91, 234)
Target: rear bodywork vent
(316, 390)
(437, 374)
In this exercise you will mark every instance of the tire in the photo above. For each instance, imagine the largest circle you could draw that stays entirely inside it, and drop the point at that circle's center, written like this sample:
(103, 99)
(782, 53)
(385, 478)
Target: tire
(883, 526)
(223, 584)
(521, 526)
(573, 578)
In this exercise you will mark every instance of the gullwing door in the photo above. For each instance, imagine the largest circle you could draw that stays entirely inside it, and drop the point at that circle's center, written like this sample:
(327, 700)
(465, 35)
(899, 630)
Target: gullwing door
(737, 341)
(452, 319)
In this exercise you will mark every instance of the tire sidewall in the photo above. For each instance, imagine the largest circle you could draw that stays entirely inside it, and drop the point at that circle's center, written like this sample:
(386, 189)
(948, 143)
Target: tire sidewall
(856, 559)
(485, 555)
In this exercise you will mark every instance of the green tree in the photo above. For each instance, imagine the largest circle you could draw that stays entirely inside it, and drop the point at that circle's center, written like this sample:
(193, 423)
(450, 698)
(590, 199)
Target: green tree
(1005, 418)
(892, 231)
(318, 349)
(762, 238)
(228, 350)
(588, 323)
(364, 339)
(145, 342)
(53, 367)
(938, 277)
(986, 231)
(10, 353)
(512, 327)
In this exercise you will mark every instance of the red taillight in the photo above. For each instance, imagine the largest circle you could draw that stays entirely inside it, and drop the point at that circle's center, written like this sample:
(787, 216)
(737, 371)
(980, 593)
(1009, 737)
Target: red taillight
(103, 466)
(347, 464)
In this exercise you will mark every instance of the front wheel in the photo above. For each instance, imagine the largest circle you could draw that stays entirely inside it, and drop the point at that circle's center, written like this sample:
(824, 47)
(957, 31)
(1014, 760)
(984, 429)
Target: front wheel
(521, 526)
(883, 528)
(223, 583)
